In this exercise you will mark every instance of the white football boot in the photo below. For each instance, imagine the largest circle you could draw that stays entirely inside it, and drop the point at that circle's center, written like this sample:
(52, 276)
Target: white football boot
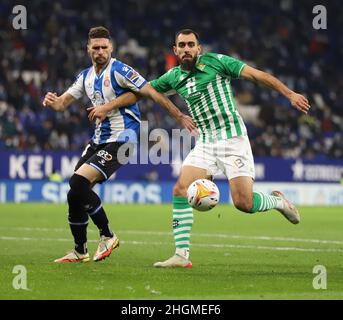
(176, 261)
(289, 210)
(105, 247)
(73, 256)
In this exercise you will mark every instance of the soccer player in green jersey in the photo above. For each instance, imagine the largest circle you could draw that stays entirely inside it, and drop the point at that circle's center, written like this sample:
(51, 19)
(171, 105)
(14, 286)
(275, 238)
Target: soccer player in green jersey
(204, 82)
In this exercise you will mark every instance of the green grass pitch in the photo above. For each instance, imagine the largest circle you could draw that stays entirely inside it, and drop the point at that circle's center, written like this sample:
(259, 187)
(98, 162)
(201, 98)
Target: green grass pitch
(234, 255)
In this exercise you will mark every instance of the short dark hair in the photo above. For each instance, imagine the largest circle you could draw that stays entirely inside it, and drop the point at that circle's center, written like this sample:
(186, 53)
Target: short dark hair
(187, 31)
(98, 32)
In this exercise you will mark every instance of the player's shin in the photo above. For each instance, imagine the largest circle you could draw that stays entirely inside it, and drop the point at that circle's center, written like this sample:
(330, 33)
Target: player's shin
(78, 229)
(78, 222)
(264, 202)
(91, 202)
(182, 225)
(99, 218)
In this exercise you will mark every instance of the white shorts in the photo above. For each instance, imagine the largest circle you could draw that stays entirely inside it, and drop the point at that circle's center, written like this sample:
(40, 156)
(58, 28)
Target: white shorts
(233, 157)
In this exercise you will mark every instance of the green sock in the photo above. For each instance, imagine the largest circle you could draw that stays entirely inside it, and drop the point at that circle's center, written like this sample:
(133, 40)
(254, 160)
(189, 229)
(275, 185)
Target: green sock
(182, 225)
(264, 202)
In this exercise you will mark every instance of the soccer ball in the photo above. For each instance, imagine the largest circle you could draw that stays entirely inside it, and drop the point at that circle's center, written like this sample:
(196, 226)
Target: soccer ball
(203, 195)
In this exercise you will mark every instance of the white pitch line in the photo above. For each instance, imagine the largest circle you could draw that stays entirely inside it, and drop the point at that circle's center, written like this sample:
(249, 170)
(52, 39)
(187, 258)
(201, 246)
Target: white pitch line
(208, 235)
(149, 243)
(231, 236)
(38, 239)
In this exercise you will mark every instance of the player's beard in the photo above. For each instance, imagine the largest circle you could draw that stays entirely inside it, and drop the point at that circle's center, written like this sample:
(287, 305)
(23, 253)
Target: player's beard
(101, 62)
(188, 64)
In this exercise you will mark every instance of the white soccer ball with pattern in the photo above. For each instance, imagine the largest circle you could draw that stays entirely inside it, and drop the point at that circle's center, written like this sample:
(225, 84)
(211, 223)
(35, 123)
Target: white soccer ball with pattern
(203, 195)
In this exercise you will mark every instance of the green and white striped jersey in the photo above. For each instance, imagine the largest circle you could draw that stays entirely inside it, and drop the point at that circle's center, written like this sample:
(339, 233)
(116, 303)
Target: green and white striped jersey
(208, 93)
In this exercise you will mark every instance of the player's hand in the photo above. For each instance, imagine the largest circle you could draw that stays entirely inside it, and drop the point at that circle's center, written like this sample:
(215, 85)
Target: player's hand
(299, 102)
(50, 99)
(98, 112)
(188, 123)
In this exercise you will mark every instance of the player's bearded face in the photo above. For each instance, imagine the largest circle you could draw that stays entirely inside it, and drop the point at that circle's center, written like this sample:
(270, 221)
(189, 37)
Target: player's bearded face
(187, 50)
(100, 51)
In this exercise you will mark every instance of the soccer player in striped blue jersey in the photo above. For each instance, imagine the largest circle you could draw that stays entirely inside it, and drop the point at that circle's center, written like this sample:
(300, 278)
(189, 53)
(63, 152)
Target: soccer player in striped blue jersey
(204, 82)
(104, 82)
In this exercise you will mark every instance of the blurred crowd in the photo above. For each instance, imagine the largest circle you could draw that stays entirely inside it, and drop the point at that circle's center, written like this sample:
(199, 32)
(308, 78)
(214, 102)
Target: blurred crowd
(275, 36)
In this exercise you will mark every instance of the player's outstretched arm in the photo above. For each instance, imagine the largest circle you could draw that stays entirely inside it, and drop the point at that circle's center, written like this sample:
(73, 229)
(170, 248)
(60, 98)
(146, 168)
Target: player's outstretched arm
(186, 121)
(58, 103)
(100, 112)
(129, 98)
(298, 101)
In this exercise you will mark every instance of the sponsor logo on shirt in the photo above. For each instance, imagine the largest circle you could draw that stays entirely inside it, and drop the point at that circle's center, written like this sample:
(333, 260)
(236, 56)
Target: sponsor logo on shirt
(134, 77)
(201, 66)
(107, 82)
(97, 99)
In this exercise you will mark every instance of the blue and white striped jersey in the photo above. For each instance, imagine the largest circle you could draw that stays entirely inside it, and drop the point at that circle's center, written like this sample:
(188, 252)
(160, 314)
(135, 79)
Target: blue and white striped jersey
(120, 125)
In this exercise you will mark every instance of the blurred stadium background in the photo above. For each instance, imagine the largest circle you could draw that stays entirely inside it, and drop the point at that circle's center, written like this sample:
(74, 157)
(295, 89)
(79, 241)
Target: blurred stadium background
(302, 155)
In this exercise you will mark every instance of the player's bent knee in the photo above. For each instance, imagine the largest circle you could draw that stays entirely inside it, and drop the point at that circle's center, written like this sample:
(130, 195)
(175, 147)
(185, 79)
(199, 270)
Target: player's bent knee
(243, 204)
(71, 196)
(79, 183)
(75, 213)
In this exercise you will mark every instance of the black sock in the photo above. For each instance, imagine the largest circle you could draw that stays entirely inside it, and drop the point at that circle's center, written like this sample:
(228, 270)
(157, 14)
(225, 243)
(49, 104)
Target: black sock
(100, 220)
(78, 222)
(91, 203)
(81, 248)
(80, 236)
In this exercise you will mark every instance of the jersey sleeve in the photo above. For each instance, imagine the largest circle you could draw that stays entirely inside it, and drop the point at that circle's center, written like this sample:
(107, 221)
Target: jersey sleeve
(129, 78)
(163, 83)
(76, 89)
(232, 67)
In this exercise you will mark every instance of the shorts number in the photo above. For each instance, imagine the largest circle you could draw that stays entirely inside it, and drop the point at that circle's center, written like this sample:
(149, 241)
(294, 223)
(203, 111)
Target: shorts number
(239, 163)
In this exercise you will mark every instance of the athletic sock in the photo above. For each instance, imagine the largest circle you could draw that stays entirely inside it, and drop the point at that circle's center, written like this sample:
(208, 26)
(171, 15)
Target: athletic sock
(182, 225)
(91, 203)
(99, 218)
(79, 232)
(264, 202)
(78, 222)
(81, 248)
